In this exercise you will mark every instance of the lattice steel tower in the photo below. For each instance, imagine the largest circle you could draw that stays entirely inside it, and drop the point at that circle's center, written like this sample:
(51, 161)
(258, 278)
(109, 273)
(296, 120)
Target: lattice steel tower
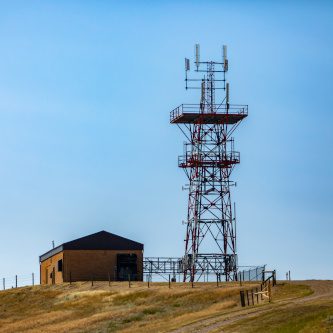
(208, 161)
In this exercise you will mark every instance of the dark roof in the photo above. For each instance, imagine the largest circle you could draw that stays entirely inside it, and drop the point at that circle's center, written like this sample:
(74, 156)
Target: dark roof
(99, 241)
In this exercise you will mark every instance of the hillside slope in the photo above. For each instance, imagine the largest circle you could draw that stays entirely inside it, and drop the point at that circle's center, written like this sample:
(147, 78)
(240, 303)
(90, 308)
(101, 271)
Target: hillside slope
(80, 307)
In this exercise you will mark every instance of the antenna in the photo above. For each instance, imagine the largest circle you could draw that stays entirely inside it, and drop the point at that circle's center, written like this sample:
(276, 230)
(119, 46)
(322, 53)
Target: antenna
(187, 64)
(235, 224)
(197, 54)
(225, 60)
(187, 68)
(208, 159)
(53, 244)
(202, 91)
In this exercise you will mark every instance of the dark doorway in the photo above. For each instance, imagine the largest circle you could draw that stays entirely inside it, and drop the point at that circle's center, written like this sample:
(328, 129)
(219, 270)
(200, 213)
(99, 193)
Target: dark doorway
(127, 264)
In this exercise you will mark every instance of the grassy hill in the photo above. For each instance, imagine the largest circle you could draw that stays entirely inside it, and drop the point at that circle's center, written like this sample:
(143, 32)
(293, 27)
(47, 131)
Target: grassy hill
(80, 307)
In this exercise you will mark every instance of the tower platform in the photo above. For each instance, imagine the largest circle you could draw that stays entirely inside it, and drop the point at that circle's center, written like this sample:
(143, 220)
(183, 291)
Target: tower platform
(192, 113)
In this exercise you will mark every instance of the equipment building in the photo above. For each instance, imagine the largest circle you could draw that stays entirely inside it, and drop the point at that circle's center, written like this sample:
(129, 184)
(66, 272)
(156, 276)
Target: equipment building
(100, 257)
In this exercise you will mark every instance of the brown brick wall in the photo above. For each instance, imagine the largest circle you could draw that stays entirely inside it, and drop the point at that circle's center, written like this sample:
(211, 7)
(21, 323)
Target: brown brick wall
(85, 264)
(47, 265)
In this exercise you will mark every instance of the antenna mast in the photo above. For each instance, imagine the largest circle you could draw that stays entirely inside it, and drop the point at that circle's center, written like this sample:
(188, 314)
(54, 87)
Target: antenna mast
(208, 161)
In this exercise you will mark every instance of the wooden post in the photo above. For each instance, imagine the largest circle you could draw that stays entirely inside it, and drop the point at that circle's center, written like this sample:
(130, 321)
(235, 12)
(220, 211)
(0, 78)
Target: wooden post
(242, 298)
(252, 296)
(269, 292)
(169, 281)
(33, 279)
(274, 277)
(289, 275)
(129, 280)
(247, 296)
(92, 280)
(148, 281)
(109, 280)
(15, 281)
(261, 290)
(257, 295)
(4, 284)
(263, 277)
(240, 279)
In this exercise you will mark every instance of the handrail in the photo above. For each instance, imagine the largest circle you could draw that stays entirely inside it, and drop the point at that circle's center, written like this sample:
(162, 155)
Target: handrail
(230, 109)
(209, 157)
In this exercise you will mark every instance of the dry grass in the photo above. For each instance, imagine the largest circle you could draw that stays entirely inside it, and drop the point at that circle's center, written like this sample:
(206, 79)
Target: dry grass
(307, 317)
(290, 291)
(82, 308)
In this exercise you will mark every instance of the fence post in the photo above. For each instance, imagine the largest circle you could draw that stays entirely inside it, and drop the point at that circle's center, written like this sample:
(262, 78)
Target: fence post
(129, 280)
(263, 277)
(169, 281)
(15, 281)
(109, 280)
(261, 290)
(289, 275)
(269, 292)
(257, 295)
(92, 280)
(33, 279)
(252, 296)
(247, 296)
(242, 297)
(240, 279)
(4, 284)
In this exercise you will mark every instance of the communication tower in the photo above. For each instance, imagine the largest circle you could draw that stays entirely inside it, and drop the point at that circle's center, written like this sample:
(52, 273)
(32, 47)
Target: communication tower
(208, 161)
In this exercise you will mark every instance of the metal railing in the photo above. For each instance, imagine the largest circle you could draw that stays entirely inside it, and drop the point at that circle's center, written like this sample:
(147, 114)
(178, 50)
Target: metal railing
(210, 264)
(208, 158)
(231, 109)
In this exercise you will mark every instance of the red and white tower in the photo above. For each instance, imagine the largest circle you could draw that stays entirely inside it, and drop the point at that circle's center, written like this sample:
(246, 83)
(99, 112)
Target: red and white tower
(208, 161)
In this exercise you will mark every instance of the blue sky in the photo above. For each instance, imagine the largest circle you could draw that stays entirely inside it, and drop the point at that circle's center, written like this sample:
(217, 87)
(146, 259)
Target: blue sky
(86, 88)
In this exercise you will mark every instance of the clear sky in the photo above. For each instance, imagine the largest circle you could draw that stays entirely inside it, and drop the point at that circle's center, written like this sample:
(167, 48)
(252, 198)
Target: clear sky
(86, 88)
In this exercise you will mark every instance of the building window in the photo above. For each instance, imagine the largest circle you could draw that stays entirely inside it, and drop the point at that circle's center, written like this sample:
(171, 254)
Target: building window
(60, 265)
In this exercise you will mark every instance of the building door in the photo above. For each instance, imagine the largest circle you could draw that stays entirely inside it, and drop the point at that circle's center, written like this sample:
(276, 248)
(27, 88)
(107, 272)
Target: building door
(127, 264)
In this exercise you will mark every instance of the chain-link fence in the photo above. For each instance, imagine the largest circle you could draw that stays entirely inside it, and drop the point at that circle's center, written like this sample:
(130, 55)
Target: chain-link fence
(19, 281)
(251, 274)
